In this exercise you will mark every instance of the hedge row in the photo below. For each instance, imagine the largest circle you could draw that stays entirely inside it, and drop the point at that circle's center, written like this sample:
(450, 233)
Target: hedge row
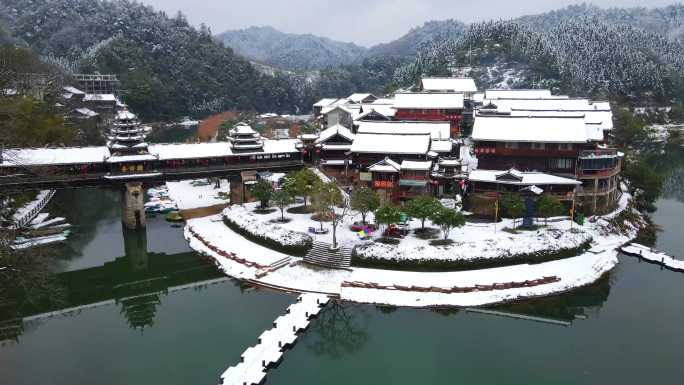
(296, 250)
(440, 265)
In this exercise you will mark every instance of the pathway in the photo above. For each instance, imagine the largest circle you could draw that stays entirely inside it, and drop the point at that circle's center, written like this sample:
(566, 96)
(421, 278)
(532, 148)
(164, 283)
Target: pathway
(256, 360)
(653, 256)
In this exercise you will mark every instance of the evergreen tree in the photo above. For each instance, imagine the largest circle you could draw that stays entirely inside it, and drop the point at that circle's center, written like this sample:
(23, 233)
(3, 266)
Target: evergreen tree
(263, 191)
(514, 206)
(282, 198)
(423, 207)
(364, 200)
(447, 220)
(548, 206)
(387, 215)
(304, 182)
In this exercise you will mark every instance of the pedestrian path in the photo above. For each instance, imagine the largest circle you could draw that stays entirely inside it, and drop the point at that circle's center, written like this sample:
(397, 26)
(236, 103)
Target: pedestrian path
(653, 256)
(268, 351)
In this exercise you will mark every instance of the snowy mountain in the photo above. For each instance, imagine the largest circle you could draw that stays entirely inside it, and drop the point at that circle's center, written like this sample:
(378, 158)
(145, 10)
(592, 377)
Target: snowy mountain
(575, 54)
(418, 38)
(290, 51)
(667, 21)
(309, 52)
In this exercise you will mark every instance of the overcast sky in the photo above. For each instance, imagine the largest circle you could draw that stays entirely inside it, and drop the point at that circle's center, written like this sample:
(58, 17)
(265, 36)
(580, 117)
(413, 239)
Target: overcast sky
(364, 22)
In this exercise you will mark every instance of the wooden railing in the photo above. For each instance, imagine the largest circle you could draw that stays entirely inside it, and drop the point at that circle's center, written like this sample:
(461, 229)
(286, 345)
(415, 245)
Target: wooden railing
(60, 179)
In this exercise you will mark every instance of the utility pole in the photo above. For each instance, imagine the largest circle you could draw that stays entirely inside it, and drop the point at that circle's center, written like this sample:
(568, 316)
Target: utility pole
(496, 213)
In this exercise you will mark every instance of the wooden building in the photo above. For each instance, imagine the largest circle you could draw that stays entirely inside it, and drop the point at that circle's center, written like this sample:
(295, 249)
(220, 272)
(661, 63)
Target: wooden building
(436, 107)
(488, 186)
(567, 142)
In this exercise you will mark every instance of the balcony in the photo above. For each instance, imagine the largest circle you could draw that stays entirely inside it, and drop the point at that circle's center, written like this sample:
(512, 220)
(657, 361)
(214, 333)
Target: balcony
(600, 153)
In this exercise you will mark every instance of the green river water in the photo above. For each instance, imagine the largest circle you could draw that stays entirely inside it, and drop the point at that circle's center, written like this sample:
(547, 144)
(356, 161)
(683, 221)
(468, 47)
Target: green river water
(626, 329)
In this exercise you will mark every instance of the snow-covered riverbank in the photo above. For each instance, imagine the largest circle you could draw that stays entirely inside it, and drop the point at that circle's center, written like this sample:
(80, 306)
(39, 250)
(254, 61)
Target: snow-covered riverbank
(243, 259)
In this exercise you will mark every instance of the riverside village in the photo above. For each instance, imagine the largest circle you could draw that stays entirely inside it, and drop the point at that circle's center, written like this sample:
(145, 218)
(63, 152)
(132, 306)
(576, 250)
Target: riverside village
(375, 225)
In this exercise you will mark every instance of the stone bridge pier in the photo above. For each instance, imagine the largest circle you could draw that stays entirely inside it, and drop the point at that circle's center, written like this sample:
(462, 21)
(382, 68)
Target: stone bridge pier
(240, 188)
(133, 206)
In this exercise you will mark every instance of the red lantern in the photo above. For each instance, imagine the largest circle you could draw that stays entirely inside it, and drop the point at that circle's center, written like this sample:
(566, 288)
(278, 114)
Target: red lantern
(318, 151)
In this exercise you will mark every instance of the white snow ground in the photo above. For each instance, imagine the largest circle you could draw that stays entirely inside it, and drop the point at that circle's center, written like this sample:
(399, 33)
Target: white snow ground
(188, 196)
(571, 272)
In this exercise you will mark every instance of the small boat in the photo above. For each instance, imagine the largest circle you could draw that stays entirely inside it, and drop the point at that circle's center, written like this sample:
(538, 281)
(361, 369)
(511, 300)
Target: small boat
(174, 216)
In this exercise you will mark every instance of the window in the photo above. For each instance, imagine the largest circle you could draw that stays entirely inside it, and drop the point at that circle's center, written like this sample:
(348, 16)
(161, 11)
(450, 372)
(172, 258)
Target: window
(561, 163)
(565, 146)
(511, 144)
(538, 146)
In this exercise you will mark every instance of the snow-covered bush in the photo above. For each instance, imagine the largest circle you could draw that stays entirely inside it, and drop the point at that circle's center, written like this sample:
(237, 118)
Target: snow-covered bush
(253, 227)
(535, 247)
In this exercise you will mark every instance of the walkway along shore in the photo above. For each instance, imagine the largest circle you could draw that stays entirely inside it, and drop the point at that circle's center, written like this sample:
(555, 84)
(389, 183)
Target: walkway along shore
(652, 256)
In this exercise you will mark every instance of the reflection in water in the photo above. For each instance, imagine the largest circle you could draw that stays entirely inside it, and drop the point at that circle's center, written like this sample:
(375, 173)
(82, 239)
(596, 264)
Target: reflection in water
(581, 303)
(136, 281)
(88, 209)
(340, 329)
(140, 311)
(135, 246)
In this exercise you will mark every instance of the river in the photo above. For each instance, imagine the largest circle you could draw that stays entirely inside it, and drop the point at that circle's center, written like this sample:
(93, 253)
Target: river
(626, 329)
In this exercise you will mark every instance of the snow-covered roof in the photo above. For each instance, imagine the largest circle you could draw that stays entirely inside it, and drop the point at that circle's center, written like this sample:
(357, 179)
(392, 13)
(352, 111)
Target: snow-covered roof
(73, 90)
(190, 150)
(385, 165)
(594, 131)
(74, 155)
(603, 118)
(382, 109)
(391, 144)
(86, 112)
(280, 146)
(336, 162)
(217, 149)
(428, 100)
(331, 131)
(437, 130)
(450, 162)
(526, 178)
(358, 98)
(383, 101)
(441, 145)
(242, 129)
(100, 98)
(521, 94)
(308, 136)
(594, 112)
(54, 156)
(336, 147)
(529, 129)
(548, 104)
(125, 115)
(478, 97)
(350, 109)
(416, 165)
(449, 84)
(324, 102)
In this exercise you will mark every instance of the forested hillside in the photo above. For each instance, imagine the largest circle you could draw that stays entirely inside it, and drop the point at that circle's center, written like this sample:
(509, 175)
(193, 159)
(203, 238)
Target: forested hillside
(579, 55)
(167, 67)
(667, 21)
(170, 69)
